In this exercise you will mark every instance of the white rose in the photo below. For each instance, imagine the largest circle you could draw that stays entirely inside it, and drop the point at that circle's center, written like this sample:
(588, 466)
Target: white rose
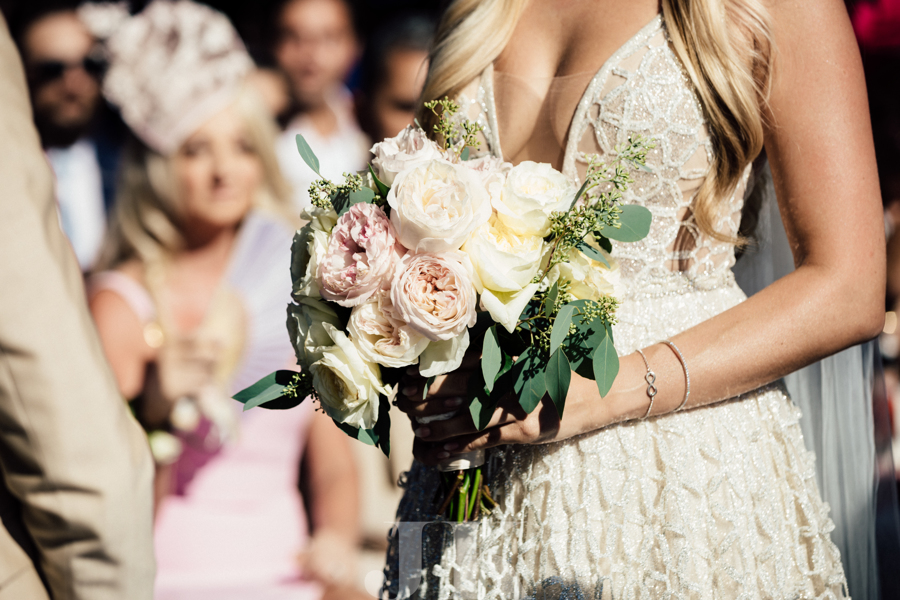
(305, 322)
(348, 386)
(531, 192)
(506, 307)
(589, 279)
(397, 154)
(504, 260)
(383, 338)
(443, 356)
(436, 205)
(308, 248)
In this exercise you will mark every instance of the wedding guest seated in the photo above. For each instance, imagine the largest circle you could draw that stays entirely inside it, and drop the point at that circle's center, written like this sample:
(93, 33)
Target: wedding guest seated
(190, 309)
(316, 46)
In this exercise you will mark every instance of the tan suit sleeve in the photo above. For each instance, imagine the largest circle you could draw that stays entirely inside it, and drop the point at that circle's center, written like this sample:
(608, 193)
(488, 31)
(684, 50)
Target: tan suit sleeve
(70, 452)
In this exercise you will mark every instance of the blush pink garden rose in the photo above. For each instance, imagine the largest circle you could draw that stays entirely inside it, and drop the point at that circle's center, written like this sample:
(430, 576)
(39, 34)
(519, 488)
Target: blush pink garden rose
(360, 257)
(404, 151)
(437, 204)
(436, 295)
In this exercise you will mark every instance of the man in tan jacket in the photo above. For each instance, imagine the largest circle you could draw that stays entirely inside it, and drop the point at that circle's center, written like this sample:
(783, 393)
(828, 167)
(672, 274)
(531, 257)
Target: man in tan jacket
(75, 498)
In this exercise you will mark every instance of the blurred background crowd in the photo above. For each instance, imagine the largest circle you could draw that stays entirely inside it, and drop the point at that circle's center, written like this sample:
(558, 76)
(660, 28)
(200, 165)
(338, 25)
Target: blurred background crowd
(171, 132)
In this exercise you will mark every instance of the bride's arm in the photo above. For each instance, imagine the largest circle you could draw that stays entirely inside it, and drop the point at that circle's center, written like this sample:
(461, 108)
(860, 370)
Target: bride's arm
(819, 145)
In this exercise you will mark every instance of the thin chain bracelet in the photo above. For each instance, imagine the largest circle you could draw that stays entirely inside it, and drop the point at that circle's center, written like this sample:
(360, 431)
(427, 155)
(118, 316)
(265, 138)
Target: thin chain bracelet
(650, 378)
(687, 376)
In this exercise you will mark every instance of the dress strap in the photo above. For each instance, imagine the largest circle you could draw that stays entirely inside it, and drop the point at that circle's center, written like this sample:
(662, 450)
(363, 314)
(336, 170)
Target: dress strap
(135, 295)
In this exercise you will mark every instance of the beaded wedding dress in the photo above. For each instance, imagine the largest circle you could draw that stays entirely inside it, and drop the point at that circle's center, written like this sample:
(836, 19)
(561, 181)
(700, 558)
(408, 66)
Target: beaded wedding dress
(715, 502)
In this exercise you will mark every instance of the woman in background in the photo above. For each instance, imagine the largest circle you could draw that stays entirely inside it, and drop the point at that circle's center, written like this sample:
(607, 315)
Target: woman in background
(189, 308)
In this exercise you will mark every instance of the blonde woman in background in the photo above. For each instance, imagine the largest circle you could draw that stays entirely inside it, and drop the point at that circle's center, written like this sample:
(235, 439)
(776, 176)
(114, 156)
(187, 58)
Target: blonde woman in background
(705, 490)
(190, 305)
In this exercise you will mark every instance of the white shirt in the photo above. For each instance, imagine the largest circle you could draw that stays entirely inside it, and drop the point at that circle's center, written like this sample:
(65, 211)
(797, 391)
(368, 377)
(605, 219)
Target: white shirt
(79, 191)
(346, 150)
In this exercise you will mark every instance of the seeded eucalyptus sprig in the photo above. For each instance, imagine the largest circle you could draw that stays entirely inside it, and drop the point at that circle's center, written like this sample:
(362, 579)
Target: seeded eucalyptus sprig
(453, 134)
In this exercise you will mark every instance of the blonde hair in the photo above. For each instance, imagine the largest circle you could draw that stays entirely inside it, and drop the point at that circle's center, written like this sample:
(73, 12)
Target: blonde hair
(145, 222)
(724, 45)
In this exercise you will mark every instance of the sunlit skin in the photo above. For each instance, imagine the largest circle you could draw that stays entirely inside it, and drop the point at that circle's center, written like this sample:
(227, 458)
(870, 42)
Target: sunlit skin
(394, 102)
(819, 145)
(316, 48)
(69, 101)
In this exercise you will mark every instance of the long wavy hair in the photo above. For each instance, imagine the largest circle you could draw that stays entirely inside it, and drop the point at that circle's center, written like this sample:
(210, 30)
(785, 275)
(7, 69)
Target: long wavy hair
(724, 45)
(145, 223)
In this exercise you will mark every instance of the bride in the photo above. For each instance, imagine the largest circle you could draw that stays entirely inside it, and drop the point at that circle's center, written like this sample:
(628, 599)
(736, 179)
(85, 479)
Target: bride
(706, 490)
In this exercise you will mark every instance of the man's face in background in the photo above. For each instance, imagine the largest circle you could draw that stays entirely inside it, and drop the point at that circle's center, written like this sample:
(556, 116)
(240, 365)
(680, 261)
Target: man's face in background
(63, 79)
(316, 47)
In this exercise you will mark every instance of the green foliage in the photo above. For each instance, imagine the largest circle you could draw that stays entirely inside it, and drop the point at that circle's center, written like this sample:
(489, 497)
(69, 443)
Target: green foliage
(634, 225)
(278, 391)
(558, 377)
(530, 384)
(606, 364)
(456, 135)
(561, 326)
(593, 253)
(491, 358)
(382, 188)
(380, 435)
(308, 156)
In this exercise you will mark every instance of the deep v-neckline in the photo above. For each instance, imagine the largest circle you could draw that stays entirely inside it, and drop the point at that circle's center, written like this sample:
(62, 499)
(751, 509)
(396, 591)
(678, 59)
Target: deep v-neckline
(584, 102)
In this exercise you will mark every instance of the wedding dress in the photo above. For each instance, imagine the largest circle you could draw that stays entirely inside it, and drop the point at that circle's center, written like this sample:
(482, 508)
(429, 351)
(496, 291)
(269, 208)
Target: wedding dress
(714, 502)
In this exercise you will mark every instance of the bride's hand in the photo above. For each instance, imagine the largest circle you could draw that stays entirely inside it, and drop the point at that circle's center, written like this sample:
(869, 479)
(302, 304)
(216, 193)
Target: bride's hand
(585, 411)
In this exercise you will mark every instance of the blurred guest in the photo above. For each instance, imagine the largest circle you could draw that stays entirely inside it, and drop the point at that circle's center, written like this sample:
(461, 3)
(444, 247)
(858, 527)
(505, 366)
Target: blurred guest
(63, 71)
(190, 309)
(75, 493)
(272, 87)
(316, 47)
(393, 71)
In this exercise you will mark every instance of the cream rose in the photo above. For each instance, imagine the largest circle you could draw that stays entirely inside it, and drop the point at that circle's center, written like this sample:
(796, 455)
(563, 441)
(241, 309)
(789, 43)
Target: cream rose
(404, 151)
(436, 205)
(435, 294)
(308, 248)
(504, 260)
(589, 279)
(383, 338)
(531, 192)
(360, 256)
(305, 323)
(349, 386)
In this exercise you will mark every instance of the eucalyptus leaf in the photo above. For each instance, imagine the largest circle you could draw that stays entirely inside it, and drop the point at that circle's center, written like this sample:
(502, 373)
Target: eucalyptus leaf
(268, 392)
(382, 429)
(558, 378)
(606, 365)
(580, 346)
(428, 383)
(382, 188)
(366, 436)
(561, 326)
(340, 202)
(635, 224)
(550, 303)
(529, 384)
(592, 253)
(603, 242)
(482, 404)
(579, 193)
(306, 153)
(491, 358)
(361, 196)
(464, 155)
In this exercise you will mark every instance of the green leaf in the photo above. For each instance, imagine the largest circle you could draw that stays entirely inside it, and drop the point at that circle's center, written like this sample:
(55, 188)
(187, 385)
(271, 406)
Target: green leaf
(550, 303)
(428, 383)
(561, 326)
(464, 155)
(579, 193)
(382, 427)
(382, 188)
(635, 224)
(530, 385)
(483, 404)
(267, 392)
(361, 196)
(603, 242)
(580, 346)
(592, 253)
(340, 202)
(558, 377)
(306, 153)
(606, 365)
(366, 436)
(491, 358)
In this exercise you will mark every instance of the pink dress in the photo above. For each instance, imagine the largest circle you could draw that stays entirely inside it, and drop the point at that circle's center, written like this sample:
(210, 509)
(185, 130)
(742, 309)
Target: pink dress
(234, 529)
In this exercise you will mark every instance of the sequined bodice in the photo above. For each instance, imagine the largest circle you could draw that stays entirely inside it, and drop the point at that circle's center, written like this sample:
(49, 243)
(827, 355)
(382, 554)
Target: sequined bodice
(642, 89)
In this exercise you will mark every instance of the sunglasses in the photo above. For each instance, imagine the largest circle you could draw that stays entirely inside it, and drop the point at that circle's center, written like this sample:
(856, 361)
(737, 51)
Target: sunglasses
(46, 71)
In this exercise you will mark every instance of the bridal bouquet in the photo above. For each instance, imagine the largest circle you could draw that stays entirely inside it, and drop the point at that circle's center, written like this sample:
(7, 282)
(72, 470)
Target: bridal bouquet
(432, 251)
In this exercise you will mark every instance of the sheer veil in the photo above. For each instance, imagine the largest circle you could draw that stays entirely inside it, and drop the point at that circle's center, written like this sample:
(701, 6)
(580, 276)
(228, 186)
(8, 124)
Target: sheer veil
(835, 396)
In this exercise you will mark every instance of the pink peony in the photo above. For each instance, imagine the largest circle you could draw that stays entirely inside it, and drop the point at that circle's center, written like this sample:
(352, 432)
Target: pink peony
(434, 293)
(360, 258)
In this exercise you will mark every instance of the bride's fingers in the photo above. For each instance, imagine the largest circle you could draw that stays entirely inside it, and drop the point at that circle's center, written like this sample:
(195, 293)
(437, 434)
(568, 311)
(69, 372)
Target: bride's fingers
(432, 453)
(462, 424)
